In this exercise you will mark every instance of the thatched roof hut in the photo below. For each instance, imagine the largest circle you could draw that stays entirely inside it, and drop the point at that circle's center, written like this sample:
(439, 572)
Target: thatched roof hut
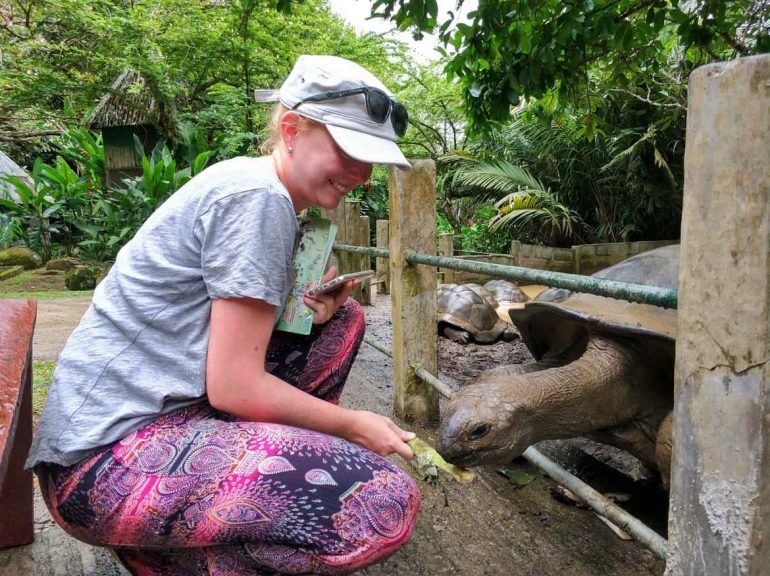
(130, 102)
(131, 107)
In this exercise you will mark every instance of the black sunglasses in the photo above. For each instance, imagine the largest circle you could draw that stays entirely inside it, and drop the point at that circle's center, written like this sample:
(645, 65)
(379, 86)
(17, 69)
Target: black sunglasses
(378, 105)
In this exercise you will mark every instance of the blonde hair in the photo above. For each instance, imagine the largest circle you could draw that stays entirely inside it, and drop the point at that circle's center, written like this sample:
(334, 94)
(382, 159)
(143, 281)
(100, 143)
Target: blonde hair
(274, 128)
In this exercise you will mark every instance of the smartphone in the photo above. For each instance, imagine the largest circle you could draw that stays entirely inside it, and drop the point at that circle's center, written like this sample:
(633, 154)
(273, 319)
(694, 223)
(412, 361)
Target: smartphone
(334, 283)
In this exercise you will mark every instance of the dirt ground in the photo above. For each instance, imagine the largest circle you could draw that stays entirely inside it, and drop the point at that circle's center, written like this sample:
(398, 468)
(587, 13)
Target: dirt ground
(489, 527)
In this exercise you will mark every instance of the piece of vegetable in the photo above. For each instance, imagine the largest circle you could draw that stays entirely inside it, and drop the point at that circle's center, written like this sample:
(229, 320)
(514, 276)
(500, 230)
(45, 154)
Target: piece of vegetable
(428, 461)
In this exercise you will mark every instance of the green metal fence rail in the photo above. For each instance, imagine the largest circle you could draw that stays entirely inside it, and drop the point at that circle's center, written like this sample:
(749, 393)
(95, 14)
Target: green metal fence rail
(655, 295)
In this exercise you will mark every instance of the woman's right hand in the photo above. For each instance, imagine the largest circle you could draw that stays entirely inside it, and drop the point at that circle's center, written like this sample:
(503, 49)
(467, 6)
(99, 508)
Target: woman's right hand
(379, 434)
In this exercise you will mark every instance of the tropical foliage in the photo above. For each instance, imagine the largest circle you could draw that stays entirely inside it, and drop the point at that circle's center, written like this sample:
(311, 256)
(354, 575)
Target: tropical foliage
(530, 48)
(624, 185)
(550, 122)
(66, 209)
(525, 202)
(201, 59)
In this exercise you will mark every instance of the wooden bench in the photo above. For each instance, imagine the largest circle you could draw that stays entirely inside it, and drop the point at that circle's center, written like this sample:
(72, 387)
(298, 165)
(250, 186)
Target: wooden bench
(17, 323)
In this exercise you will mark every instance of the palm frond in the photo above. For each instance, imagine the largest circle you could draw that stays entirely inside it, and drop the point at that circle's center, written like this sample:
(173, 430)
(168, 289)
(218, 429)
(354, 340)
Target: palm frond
(496, 177)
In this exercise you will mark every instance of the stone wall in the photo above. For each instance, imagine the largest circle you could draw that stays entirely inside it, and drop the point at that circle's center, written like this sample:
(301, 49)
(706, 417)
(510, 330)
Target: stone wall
(589, 258)
(542, 257)
(583, 259)
(461, 277)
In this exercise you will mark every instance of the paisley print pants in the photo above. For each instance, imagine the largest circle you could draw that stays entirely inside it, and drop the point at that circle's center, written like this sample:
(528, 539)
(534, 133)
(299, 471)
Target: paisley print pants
(200, 492)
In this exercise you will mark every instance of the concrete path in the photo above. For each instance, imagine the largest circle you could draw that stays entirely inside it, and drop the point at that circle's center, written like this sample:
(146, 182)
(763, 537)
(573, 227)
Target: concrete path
(55, 321)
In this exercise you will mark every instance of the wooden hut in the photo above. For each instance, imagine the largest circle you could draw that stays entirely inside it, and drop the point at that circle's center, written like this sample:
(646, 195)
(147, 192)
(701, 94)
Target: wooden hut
(129, 108)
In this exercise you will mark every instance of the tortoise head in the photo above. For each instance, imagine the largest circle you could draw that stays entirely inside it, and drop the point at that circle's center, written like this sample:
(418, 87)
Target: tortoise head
(608, 382)
(482, 424)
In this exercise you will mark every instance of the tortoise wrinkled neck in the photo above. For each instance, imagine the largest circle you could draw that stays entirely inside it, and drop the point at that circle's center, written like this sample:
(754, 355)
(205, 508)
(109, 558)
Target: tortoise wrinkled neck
(600, 389)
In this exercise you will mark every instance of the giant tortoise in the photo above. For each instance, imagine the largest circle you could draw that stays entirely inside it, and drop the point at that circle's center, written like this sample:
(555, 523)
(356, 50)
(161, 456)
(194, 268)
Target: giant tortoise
(604, 369)
(467, 312)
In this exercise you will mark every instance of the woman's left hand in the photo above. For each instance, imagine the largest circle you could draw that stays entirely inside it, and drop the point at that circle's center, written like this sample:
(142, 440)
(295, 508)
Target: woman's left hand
(325, 305)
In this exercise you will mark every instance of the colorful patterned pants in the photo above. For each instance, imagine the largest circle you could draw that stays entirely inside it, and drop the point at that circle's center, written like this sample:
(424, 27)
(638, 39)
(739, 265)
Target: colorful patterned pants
(199, 492)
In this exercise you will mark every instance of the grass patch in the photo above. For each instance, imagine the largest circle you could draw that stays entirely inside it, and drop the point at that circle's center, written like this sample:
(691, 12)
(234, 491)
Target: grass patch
(47, 295)
(42, 374)
(19, 278)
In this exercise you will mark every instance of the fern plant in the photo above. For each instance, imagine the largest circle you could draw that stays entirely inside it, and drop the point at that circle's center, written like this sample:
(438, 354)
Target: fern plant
(523, 203)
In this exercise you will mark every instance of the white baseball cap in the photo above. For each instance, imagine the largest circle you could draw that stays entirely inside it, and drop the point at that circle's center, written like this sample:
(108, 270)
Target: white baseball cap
(344, 96)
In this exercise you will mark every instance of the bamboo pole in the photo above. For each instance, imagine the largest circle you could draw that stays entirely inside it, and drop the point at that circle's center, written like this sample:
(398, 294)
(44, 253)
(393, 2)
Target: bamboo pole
(655, 295)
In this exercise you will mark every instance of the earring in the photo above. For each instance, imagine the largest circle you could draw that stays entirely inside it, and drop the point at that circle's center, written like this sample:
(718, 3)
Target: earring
(290, 149)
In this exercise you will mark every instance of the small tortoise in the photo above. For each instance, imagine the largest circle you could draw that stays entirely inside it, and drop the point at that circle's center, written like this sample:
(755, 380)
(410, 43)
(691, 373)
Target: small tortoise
(465, 314)
(604, 369)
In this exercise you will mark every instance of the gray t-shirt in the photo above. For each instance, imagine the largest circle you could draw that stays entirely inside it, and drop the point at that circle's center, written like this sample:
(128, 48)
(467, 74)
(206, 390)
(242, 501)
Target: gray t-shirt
(140, 349)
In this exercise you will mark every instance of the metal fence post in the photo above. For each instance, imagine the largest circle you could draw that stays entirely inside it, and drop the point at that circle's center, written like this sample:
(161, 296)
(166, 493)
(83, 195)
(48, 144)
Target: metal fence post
(413, 289)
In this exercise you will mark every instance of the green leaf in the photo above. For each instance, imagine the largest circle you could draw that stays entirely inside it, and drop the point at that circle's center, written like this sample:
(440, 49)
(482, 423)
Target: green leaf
(515, 477)
(52, 209)
(90, 229)
(525, 43)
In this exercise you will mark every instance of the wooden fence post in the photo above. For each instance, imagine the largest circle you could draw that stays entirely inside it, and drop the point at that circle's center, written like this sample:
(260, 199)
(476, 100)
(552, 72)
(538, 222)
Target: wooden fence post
(719, 521)
(364, 261)
(382, 266)
(347, 217)
(447, 248)
(337, 216)
(413, 289)
(350, 261)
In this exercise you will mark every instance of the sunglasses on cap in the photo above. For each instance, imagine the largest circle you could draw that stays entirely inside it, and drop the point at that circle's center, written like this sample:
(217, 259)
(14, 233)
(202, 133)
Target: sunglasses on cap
(378, 105)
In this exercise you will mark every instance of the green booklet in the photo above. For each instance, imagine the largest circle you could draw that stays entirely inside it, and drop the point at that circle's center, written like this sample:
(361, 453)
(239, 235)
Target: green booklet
(316, 236)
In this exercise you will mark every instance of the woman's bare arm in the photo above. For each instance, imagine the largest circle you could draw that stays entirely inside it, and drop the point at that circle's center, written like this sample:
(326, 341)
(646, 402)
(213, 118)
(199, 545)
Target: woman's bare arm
(237, 383)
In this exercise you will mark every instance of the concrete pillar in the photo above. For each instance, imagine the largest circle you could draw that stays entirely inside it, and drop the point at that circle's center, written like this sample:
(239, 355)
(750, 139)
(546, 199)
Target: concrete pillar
(719, 519)
(382, 266)
(413, 289)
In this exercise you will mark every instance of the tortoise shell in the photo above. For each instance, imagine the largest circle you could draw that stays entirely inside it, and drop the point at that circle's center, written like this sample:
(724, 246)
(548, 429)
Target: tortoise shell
(554, 329)
(505, 291)
(487, 295)
(461, 306)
